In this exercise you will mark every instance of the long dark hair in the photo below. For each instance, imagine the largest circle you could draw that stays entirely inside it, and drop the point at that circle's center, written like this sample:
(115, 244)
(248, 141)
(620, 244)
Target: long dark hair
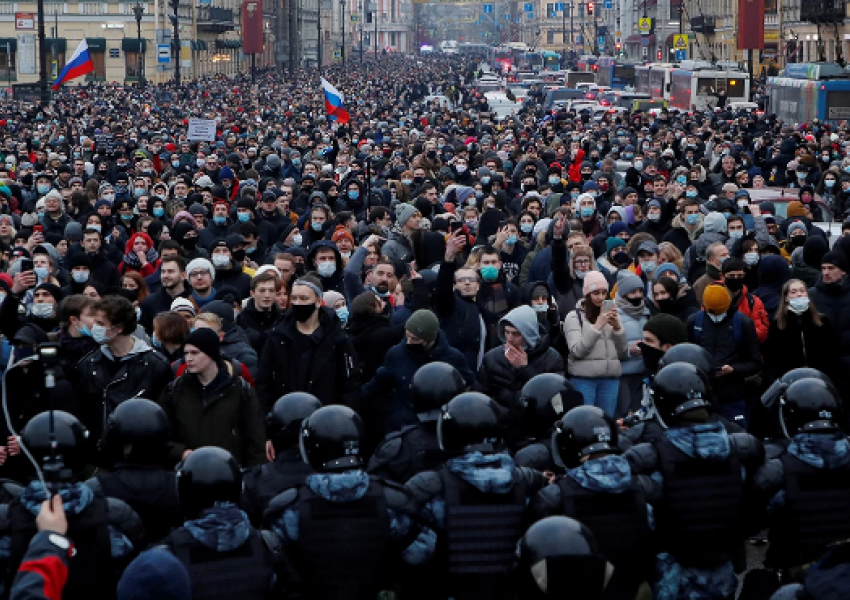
(590, 309)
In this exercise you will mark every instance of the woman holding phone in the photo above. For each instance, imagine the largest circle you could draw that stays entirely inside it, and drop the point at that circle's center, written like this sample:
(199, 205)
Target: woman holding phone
(597, 342)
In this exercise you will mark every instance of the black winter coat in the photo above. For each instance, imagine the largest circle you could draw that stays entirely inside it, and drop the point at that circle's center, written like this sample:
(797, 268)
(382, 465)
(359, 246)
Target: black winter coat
(332, 374)
(373, 335)
(833, 302)
(801, 344)
(257, 324)
(156, 303)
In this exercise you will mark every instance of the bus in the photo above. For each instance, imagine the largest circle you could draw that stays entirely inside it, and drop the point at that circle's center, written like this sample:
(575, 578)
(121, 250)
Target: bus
(654, 79)
(571, 78)
(449, 47)
(695, 85)
(500, 58)
(551, 60)
(615, 75)
(807, 91)
(531, 60)
(587, 63)
(467, 49)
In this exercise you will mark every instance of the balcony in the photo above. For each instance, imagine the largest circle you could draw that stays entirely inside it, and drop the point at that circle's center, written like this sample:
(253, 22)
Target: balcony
(216, 20)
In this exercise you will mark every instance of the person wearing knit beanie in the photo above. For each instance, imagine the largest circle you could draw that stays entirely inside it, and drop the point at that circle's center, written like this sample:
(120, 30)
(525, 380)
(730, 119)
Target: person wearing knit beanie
(837, 259)
(593, 281)
(667, 329)
(716, 299)
(155, 575)
(423, 324)
(795, 209)
(613, 242)
(206, 341)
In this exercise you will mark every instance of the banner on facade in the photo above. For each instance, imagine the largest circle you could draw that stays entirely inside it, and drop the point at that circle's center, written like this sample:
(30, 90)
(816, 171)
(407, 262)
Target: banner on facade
(26, 54)
(750, 24)
(252, 26)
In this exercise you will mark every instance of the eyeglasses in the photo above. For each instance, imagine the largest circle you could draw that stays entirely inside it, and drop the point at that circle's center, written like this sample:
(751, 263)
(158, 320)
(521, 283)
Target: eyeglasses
(467, 279)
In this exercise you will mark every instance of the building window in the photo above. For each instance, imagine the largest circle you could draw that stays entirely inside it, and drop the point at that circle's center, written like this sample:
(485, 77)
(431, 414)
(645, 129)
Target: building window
(92, 8)
(7, 61)
(132, 63)
(550, 36)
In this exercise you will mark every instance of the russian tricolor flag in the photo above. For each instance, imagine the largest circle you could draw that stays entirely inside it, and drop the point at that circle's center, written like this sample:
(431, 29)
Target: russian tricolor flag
(79, 65)
(334, 103)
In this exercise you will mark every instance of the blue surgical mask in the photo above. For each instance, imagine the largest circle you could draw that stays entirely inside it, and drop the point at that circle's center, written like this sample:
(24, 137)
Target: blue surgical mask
(96, 227)
(342, 313)
(243, 217)
(587, 211)
(80, 276)
(738, 233)
(489, 272)
(574, 195)
(84, 329)
(326, 269)
(716, 318)
(353, 194)
(648, 266)
(691, 194)
(407, 181)
(138, 313)
(751, 258)
(41, 272)
(155, 341)
(158, 211)
(175, 163)
(485, 180)
(801, 175)
(98, 332)
(829, 183)
(317, 226)
(526, 227)
(138, 192)
(554, 180)
(692, 219)
(726, 214)
(216, 220)
(799, 305)
(681, 180)
(512, 239)
(43, 311)
(43, 188)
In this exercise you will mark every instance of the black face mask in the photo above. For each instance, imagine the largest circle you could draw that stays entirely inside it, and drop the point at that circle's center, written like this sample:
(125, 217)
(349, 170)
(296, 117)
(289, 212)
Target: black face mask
(621, 260)
(238, 255)
(302, 312)
(667, 305)
(798, 240)
(299, 269)
(651, 357)
(189, 243)
(635, 301)
(734, 285)
(416, 348)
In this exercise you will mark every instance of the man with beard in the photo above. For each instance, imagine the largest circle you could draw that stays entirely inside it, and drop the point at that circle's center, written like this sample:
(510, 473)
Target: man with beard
(172, 273)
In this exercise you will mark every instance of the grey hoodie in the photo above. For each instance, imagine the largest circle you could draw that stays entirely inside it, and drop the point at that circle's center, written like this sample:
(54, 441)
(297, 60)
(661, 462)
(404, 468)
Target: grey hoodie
(525, 320)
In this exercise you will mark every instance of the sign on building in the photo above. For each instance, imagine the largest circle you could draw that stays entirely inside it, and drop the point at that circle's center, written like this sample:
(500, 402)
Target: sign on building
(24, 20)
(26, 54)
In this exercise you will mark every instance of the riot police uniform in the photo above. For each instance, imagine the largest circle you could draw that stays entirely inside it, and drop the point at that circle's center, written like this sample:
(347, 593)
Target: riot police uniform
(482, 519)
(544, 398)
(702, 517)
(287, 470)
(242, 564)
(106, 532)
(133, 451)
(612, 504)
(345, 531)
(414, 448)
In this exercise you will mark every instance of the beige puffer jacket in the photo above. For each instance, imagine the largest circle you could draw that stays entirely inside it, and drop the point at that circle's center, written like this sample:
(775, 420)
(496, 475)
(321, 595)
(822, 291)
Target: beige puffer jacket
(593, 354)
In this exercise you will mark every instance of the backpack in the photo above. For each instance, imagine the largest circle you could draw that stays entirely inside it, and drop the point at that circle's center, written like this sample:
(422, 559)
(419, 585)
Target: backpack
(737, 326)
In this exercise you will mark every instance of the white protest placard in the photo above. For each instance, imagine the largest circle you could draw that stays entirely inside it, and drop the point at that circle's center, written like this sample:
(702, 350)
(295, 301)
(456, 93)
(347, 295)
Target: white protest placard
(201, 129)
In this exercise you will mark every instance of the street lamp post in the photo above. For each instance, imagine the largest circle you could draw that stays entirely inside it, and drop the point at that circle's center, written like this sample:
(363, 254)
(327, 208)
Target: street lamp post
(176, 42)
(342, 9)
(375, 18)
(139, 11)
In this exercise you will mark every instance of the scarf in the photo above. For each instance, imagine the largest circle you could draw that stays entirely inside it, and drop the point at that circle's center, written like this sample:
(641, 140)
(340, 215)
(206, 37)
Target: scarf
(629, 309)
(131, 260)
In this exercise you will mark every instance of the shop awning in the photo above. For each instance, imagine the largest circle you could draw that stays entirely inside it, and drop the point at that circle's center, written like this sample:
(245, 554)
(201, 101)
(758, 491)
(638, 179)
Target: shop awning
(133, 45)
(55, 44)
(96, 44)
(13, 44)
(228, 44)
(202, 45)
(635, 39)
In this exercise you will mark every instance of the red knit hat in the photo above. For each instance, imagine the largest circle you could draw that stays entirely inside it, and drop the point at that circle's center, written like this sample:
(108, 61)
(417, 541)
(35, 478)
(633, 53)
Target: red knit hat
(342, 233)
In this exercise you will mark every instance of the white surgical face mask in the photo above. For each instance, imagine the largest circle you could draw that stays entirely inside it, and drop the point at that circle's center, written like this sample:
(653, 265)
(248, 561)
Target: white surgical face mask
(716, 318)
(799, 305)
(43, 311)
(326, 269)
(220, 260)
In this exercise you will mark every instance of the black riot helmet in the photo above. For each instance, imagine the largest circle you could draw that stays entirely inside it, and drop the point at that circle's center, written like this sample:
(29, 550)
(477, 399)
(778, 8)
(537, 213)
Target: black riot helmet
(678, 388)
(795, 375)
(773, 395)
(810, 406)
(331, 439)
(471, 421)
(432, 387)
(691, 354)
(558, 559)
(71, 450)
(136, 431)
(283, 423)
(583, 431)
(208, 475)
(546, 398)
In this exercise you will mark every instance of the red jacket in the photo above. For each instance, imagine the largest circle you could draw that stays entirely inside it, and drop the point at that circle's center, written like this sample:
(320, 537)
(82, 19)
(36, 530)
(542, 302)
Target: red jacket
(574, 171)
(753, 307)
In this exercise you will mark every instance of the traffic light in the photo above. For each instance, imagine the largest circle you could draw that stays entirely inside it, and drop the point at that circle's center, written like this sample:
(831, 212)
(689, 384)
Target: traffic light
(658, 55)
(590, 6)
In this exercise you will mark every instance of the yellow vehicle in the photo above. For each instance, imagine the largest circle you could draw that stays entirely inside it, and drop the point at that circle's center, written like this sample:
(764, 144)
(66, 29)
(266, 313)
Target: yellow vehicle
(644, 105)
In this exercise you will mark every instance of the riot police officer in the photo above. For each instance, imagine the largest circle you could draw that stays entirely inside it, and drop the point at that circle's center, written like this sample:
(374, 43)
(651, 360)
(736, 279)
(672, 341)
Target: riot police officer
(772, 400)
(705, 473)
(648, 428)
(344, 530)
(223, 554)
(600, 491)
(133, 452)
(545, 398)
(808, 486)
(106, 532)
(476, 501)
(414, 448)
(558, 558)
(283, 428)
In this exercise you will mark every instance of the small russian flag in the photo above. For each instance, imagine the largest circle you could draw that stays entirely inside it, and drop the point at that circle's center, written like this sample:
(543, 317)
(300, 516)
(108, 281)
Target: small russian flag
(79, 65)
(334, 103)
